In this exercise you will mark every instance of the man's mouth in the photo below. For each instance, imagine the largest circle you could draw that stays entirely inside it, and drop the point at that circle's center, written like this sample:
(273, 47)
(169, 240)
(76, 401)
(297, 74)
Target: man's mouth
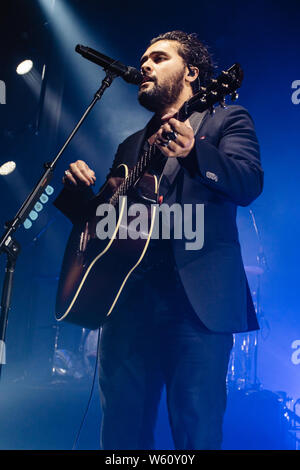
(147, 80)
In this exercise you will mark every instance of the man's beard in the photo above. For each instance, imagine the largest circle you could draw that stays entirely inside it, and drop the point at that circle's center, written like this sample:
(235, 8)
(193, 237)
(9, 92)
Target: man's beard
(162, 96)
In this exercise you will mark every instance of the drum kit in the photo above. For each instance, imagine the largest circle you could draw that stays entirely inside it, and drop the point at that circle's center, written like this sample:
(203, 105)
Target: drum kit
(78, 364)
(242, 369)
(261, 419)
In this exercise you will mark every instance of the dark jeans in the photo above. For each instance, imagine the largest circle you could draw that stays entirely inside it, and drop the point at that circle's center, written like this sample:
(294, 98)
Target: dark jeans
(152, 338)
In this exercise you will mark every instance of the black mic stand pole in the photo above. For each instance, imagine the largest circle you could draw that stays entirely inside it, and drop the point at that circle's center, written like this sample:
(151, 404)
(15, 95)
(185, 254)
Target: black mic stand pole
(11, 247)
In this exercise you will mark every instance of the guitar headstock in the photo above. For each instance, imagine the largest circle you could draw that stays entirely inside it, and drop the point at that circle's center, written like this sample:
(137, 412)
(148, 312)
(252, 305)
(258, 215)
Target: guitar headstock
(227, 83)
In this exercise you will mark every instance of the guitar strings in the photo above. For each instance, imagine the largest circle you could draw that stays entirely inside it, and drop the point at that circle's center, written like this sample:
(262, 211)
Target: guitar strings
(133, 176)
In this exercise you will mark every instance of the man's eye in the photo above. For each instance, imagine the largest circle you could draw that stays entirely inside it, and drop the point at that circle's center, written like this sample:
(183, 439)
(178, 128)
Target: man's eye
(159, 58)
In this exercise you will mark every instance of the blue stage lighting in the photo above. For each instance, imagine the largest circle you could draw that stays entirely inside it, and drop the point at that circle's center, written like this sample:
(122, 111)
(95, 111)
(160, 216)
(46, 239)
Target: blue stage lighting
(44, 198)
(27, 224)
(33, 215)
(49, 190)
(38, 207)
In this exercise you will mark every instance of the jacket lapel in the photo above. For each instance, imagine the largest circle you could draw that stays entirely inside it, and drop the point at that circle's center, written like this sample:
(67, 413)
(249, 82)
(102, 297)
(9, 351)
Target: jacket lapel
(172, 165)
(133, 152)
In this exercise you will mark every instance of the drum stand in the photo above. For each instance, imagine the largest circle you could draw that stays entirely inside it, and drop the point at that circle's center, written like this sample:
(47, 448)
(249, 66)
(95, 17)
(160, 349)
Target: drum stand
(242, 371)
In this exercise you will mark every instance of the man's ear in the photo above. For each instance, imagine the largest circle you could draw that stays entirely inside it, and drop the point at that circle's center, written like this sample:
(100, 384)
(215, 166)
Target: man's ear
(192, 73)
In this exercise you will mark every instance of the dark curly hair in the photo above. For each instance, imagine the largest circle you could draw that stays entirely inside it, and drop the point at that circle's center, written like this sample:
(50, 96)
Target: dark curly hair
(193, 52)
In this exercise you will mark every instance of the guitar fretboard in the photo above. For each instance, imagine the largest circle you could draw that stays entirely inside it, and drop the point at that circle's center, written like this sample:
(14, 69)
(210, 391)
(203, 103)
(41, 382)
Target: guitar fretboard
(135, 173)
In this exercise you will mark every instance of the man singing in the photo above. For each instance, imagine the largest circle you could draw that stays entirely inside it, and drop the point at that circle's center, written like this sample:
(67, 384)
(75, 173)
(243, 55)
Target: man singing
(174, 321)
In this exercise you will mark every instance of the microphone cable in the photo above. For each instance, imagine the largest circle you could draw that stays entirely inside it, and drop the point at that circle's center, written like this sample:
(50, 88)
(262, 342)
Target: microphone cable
(90, 395)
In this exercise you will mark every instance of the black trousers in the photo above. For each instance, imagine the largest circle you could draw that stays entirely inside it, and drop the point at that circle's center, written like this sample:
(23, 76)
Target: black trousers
(152, 338)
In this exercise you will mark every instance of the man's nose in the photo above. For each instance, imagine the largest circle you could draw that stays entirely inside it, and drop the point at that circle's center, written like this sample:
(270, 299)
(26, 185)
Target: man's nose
(146, 67)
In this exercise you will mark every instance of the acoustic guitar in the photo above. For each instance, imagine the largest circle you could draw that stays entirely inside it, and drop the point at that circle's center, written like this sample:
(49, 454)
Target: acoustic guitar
(95, 270)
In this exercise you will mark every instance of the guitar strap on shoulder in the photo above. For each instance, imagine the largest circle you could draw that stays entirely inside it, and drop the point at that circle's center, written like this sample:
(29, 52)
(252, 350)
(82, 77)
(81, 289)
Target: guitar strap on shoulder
(172, 165)
(196, 120)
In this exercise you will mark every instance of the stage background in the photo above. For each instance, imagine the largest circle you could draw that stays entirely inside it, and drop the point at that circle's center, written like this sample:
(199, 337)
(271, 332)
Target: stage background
(48, 377)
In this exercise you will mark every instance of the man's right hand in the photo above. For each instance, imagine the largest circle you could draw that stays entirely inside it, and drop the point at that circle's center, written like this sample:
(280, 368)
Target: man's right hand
(79, 174)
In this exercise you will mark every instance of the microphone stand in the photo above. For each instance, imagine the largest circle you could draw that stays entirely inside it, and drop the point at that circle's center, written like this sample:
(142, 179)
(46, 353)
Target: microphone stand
(11, 247)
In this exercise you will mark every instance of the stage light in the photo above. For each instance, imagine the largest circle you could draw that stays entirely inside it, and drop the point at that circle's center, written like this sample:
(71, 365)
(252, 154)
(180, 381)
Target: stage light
(49, 190)
(7, 168)
(38, 207)
(24, 67)
(27, 224)
(33, 215)
(44, 198)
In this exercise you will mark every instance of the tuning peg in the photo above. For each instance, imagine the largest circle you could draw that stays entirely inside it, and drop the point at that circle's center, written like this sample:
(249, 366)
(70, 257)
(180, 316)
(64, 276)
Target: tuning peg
(222, 103)
(224, 72)
(234, 96)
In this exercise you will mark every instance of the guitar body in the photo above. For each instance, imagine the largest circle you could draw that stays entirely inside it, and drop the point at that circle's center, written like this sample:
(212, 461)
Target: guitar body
(95, 271)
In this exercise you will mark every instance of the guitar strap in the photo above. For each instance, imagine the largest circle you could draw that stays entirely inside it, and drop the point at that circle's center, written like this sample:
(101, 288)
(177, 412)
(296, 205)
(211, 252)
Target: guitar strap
(172, 165)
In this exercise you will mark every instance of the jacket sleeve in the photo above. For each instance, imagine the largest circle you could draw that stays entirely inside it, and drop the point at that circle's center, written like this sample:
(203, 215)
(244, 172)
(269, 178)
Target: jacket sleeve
(233, 168)
(73, 202)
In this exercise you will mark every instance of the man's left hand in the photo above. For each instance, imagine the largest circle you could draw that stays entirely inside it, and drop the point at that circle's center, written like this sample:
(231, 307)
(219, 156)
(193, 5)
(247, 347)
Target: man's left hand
(184, 141)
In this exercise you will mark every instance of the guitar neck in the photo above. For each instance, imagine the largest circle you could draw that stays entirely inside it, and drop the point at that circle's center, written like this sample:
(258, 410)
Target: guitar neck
(134, 175)
(146, 159)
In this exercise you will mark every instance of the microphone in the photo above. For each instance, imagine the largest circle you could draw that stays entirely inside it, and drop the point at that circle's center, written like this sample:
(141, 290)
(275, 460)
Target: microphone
(129, 74)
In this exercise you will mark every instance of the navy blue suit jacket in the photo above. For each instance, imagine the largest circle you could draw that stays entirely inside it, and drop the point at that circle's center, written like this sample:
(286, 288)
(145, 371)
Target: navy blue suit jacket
(222, 172)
